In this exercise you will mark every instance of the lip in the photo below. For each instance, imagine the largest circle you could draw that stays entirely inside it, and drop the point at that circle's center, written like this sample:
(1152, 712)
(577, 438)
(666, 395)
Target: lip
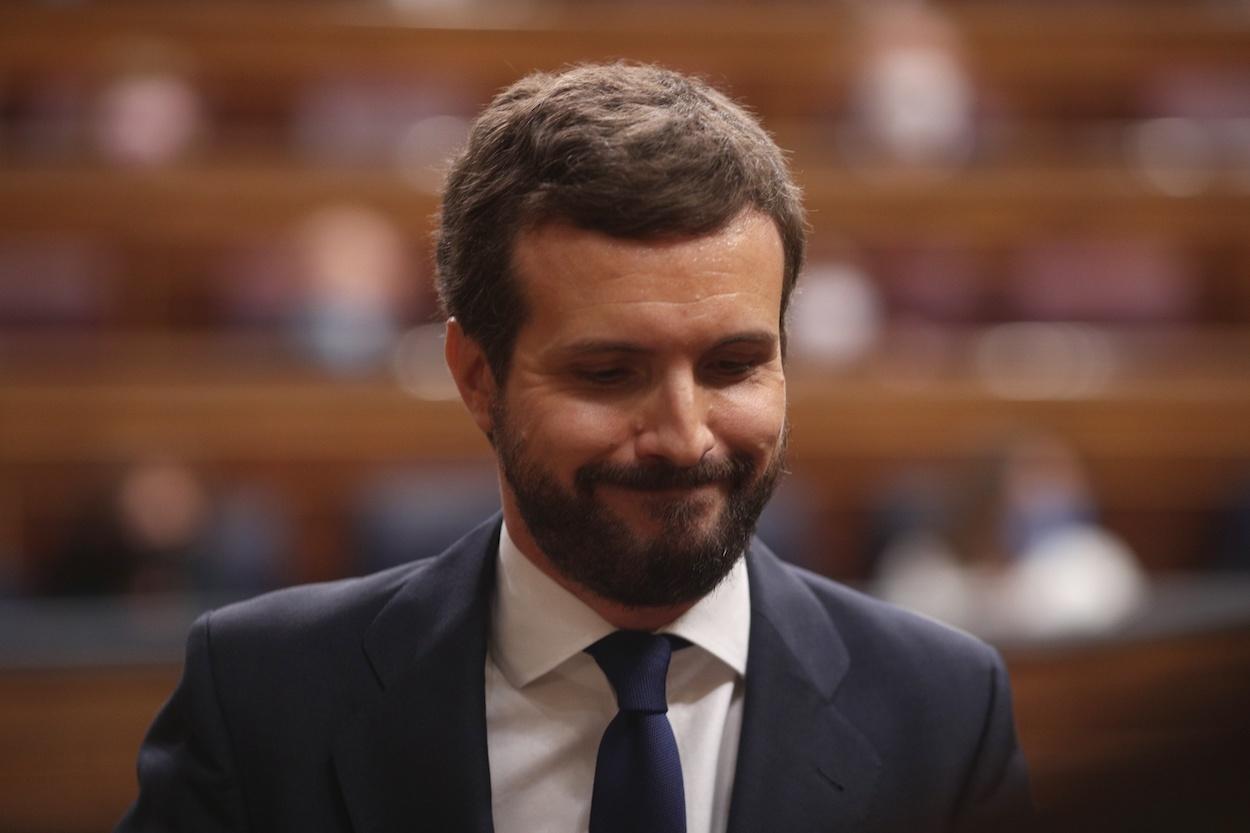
(675, 492)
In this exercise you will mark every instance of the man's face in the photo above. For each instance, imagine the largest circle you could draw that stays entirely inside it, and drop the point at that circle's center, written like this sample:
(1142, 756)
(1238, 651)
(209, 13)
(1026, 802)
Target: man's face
(641, 428)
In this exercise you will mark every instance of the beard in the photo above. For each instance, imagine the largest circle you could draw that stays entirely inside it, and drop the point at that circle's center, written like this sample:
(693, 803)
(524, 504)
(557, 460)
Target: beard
(682, 560)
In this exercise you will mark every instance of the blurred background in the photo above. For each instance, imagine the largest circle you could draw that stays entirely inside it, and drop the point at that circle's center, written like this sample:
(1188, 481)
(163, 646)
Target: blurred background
(1020, 363)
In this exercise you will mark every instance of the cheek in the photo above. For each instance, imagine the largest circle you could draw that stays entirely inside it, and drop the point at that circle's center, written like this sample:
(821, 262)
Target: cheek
(572, 431)
(751, 418)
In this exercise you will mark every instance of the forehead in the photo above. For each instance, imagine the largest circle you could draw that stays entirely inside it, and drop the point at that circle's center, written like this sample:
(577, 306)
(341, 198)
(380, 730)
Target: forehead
(564, 270)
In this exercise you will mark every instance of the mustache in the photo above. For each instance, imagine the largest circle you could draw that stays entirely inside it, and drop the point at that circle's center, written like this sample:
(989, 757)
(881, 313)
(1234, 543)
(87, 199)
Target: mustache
(661, 476)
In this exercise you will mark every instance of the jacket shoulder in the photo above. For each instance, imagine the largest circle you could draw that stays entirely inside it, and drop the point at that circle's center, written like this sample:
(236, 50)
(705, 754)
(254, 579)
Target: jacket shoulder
(885, 659)
(935, 704)
(296, 613)
(332, 612)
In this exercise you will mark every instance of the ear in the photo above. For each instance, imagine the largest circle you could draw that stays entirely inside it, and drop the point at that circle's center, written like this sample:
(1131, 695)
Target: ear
(474, 378)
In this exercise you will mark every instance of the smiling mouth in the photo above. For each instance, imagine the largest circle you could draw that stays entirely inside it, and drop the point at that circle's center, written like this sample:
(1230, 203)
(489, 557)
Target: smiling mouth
(679, 490)
(656, 501)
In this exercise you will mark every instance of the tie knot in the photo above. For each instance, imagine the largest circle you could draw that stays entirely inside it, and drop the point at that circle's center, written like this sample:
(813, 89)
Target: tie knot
(636, 664)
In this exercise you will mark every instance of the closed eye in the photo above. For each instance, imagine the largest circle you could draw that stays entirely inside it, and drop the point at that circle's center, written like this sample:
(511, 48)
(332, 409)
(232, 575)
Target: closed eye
(731, 368)
(728, 369)
(737, 358)
(605, 377)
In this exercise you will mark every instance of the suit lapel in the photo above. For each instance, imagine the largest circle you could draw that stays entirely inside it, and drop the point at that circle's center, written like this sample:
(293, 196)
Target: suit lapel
(802, 766)
(415, 757)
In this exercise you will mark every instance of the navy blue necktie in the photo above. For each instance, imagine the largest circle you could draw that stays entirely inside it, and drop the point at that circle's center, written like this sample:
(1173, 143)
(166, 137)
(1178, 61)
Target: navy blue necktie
(638, 786)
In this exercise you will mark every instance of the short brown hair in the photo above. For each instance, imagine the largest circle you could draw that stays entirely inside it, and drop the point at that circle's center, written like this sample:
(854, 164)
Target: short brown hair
(628, 150)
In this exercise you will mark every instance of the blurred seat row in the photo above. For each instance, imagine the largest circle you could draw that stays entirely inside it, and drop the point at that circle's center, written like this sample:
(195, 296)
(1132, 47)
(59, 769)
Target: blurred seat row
(215, 246)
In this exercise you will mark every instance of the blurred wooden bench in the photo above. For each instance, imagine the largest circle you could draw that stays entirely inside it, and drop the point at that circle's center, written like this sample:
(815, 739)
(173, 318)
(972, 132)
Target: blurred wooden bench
(190, 205)
(1164, 437)
(785, 60)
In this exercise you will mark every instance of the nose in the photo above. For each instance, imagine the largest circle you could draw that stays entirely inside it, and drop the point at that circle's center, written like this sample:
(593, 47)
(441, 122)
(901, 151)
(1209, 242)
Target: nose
(674, 426)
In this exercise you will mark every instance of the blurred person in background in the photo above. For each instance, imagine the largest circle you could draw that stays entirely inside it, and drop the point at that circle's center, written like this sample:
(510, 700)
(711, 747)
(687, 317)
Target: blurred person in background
(613, 651)
(1231, 530)
(413, 124)
(149, 116)
(351, 267)
(339, 287)
(1012, 547)
(402, 516)
(913, 104)
(840, 319)
(10, 572)
(159, 528)
(64, 283)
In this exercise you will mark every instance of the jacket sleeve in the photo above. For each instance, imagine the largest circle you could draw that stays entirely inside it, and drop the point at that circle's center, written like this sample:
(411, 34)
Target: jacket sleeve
(996, 795)
(187, 777)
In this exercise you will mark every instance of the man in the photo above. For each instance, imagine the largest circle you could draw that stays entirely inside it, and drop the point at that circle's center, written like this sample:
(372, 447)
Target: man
(617, 251)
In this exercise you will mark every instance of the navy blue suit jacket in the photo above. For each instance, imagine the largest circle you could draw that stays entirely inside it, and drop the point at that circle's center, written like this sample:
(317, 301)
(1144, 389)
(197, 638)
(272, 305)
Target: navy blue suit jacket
(359, 706)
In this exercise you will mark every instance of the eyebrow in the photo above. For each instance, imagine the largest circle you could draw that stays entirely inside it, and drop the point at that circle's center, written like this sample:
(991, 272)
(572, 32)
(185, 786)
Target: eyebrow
(591, 346)
(761, 338)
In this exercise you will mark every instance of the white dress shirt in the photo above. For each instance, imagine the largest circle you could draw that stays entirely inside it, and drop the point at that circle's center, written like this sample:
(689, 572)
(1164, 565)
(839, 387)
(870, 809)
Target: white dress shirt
(548, 703)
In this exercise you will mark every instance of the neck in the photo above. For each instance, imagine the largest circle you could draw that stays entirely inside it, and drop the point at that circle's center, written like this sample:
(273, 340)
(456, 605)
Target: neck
(615, 614)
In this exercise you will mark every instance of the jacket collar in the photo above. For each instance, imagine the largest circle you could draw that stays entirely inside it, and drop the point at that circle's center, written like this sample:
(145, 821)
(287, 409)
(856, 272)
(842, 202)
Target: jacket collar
(802, 766)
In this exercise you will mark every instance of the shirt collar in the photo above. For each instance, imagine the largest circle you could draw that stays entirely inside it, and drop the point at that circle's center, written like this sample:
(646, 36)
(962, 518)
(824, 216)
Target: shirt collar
(537, 625)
